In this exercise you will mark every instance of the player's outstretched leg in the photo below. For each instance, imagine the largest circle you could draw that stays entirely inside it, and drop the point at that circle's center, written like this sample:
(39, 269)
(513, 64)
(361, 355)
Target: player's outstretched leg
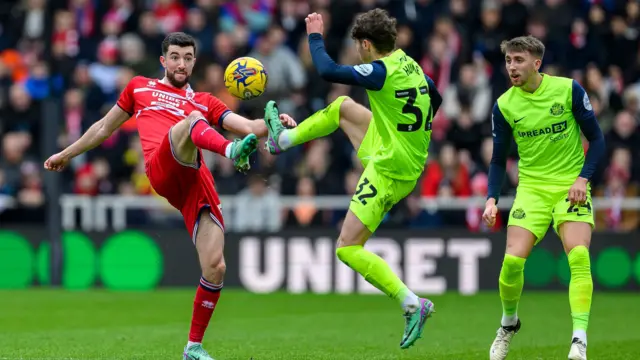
(195, 132)
(210, 245)
(576, 237)
(519, 244)
(377, 272)
(343, 113)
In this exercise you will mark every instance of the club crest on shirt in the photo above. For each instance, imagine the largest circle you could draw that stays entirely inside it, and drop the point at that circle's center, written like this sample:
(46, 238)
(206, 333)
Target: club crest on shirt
(557, 109)
(190, 94)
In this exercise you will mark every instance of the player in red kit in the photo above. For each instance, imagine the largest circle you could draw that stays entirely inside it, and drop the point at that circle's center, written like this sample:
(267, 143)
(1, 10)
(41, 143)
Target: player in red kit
(174, 123)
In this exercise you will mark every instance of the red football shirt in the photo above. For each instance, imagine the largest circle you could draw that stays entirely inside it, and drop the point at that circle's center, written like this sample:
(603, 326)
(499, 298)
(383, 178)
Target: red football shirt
(158, 106)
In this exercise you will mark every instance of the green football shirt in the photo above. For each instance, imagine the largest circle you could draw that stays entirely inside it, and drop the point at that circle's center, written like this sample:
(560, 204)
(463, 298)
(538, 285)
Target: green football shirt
(546, 132)
(402, 117)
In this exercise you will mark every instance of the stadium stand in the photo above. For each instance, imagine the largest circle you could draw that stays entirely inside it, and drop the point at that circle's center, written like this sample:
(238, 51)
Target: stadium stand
(83, 52)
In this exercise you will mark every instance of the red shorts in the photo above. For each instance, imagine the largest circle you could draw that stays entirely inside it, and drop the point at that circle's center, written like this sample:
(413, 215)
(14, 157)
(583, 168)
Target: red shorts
(188, 187)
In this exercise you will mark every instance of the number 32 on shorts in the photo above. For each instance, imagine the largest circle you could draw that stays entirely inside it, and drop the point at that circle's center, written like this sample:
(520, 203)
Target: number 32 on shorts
(579, 209)
(365, 191)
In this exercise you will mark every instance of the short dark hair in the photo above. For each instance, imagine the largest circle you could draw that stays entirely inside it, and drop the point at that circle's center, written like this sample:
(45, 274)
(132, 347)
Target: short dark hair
(178, 38)
(527, 43)
(378, 27)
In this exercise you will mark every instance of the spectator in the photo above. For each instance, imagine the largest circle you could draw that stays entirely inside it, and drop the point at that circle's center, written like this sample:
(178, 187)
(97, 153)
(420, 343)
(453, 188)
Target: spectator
(286, 75)
(616, 188)
(198, 27)
(105, 71)
(625, 134)
(254, 14)
(134, 56)
(471, 91)
(464, 134)
(447, 171)
(305, 214)
(170, 14)
(94, 48)
(257, 207)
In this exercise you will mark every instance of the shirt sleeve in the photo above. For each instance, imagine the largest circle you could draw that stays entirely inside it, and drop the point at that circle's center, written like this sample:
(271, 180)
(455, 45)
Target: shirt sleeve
(217, 111)
(370, 76)
(126, 101)
(586, 119)
(434, 94)
(502, 136)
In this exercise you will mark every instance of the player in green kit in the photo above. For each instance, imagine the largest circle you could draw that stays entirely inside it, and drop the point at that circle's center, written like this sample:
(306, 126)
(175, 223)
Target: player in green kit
(392, 142)
(545, 115)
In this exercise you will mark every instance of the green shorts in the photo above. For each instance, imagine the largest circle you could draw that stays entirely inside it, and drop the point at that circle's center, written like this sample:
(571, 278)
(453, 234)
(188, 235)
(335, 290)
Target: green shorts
(535, 208)
(376, 194)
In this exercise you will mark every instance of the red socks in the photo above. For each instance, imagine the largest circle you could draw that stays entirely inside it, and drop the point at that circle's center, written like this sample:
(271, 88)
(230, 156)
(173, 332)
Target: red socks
(206, 137)
(205, 302)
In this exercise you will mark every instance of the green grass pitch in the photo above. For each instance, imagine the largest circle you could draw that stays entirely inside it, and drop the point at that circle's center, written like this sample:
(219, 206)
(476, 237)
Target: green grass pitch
(98, 324)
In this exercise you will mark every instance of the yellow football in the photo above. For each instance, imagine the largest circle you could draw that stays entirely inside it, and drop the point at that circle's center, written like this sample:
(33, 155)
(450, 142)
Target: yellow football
(245, 78)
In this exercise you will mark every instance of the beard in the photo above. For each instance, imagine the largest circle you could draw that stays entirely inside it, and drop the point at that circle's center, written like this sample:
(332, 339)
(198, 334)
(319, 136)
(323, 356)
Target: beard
(175, 82)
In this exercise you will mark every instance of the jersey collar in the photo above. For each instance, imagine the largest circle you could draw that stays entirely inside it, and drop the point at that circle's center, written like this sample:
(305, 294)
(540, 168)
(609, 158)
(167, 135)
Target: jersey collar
(539, 90)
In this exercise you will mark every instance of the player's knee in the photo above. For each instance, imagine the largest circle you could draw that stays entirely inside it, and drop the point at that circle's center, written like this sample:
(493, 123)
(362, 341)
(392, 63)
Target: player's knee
(340, 243)
(340, 253)
(346, 104)
(184, 126)
(513, 264)
(344, 100)
(579, 255)
(345, 239)
(194, 115)
(180, 132)
(181, 136)
(343, 252)
(520, 249)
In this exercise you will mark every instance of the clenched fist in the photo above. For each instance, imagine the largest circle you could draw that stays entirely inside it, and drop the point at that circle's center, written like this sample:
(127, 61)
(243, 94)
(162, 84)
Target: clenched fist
(56, 162)
(490, 212)
(314, 24)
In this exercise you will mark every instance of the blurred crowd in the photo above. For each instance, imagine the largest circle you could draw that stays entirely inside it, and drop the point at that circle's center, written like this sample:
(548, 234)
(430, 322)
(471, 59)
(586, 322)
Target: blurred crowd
(82, 53)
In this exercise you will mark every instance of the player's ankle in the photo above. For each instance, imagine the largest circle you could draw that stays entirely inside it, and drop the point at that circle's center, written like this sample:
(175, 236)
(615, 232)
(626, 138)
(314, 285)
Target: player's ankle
(410, 301)
(284, 140)
(580, 334)
(509, 320)
(228, 150)
(191, 343)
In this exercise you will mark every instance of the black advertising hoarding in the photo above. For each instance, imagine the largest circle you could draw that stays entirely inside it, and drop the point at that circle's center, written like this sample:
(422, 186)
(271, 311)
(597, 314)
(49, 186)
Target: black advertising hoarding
(430, 262)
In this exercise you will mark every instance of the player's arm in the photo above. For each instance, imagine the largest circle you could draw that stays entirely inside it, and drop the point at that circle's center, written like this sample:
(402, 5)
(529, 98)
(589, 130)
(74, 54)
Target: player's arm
(240, 125)
(370, 76)
(502, 135)
(100, 131)
(586, 119)
(434, 94)
(218, 114)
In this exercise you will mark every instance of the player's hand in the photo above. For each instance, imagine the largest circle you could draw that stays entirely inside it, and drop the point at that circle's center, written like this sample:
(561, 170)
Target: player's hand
(578, 191)
(287, 121)
(314, 24)
(490, 213)
(56, 162)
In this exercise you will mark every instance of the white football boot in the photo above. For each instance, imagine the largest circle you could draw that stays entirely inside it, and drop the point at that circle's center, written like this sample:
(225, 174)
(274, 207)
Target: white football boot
(578, 350)
(500, 346)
